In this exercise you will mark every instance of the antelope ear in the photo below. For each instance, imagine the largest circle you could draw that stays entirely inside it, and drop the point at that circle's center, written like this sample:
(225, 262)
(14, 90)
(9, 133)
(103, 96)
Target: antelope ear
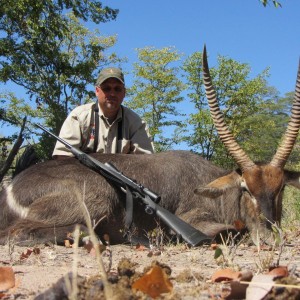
(217, 187)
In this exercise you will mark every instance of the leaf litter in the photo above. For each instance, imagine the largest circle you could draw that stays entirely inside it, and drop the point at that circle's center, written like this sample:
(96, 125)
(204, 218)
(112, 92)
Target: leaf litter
(138, 272)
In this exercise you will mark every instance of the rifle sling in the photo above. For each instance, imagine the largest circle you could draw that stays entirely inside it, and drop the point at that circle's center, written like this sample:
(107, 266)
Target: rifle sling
(96, 117)
(129, 211)
(129, 197)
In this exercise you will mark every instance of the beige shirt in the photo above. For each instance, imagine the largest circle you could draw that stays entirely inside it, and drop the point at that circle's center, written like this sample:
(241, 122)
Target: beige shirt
(79, 130)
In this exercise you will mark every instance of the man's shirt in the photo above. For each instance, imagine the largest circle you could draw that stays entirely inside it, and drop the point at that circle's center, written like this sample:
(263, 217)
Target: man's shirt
(79, 131)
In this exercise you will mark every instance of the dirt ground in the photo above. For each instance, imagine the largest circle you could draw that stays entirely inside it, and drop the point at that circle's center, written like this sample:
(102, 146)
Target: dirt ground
(188, 271)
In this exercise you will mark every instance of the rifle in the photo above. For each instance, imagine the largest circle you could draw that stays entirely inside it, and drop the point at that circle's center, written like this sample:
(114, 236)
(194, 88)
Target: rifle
(150, 199)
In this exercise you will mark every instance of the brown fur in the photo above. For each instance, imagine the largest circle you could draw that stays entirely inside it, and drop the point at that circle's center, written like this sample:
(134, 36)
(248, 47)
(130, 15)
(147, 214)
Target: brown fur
(53, 192)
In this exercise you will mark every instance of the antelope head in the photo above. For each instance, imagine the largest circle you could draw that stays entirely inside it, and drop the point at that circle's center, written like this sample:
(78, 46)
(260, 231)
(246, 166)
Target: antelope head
(261, 185)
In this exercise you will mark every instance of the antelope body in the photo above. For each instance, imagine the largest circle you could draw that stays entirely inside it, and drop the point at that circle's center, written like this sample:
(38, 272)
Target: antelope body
(45, 200)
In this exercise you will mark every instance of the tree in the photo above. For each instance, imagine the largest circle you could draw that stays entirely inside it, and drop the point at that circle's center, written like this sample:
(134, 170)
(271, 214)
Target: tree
(238, 95)
(264, 130)
(51, 55)
(156, 91)
(266, 2)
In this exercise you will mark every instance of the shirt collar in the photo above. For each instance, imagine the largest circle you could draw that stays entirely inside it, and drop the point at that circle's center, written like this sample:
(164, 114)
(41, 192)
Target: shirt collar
(118, 118)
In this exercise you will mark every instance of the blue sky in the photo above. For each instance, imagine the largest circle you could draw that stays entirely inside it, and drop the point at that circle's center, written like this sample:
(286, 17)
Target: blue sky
(244, 30)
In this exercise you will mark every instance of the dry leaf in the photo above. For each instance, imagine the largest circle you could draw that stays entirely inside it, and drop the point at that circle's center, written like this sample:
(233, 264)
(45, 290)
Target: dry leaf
(225, 275)
(36, 251)
(7, 278)
(235, 289)
(279, 272)
(150, 254)
(89, 246)
(154, 282)
(26, 254)
(260, 286)
(214, 246)
(140, 247)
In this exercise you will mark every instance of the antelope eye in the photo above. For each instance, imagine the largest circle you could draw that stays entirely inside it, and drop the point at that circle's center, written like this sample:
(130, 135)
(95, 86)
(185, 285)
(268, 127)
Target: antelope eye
(244, 189)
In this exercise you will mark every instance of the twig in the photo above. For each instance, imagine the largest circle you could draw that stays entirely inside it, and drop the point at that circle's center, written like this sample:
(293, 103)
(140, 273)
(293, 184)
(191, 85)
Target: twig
(97, 223)
(293, 286)
(107, 289)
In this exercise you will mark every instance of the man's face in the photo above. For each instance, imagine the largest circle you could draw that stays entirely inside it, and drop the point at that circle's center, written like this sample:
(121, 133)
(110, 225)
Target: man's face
(110, 96)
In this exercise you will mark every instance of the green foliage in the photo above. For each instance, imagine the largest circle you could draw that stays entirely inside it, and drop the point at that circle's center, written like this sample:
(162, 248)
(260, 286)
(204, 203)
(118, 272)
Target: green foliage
(264, 129)
(13, 110)
(266, 2)
(291, 208)
(46, 50)
(238, 96)
(156, 91)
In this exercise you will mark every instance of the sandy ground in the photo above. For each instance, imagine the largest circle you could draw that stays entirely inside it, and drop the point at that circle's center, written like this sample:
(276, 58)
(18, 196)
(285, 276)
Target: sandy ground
(191, 268)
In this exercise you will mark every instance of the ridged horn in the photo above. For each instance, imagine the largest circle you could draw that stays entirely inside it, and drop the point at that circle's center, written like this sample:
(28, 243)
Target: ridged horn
(288, 141)
(240, 157)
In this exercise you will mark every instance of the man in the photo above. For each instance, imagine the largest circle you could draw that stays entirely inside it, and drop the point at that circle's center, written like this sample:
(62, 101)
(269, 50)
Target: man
(105, 126)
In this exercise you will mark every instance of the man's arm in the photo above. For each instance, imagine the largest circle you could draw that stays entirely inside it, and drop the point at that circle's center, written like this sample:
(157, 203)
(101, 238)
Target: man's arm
(141, 141)
(138, 134)
(71, 133)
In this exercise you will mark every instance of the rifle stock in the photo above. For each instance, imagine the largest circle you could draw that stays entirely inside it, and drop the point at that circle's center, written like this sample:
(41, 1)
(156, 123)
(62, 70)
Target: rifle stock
(188, 233)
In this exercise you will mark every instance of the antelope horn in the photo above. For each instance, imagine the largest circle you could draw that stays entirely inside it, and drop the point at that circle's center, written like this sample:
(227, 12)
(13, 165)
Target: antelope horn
(289, 138)
(240, 157)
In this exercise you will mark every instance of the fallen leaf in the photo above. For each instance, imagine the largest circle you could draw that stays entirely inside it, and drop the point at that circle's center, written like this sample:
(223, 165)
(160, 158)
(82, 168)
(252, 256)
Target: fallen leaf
(36, 251)
(26, 254)
(235, 289)
(154, 282)
(279, 272)
(214, 246)
(7, 278)
(140, 247)
(225, 275)
(259, 287)
(89, 246)
(150, 254)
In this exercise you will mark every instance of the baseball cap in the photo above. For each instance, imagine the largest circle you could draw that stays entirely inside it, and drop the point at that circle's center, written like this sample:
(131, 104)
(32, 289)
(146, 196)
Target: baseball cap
(110, 73)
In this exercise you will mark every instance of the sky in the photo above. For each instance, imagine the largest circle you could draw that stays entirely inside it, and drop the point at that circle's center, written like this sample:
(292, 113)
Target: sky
(243, 30)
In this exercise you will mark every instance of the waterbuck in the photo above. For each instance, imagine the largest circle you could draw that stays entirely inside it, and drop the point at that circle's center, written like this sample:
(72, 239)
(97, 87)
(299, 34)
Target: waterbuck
(45, 201)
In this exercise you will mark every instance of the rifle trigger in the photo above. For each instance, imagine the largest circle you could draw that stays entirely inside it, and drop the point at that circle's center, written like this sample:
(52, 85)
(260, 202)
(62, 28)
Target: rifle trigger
(149, 210)
(135, 194)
